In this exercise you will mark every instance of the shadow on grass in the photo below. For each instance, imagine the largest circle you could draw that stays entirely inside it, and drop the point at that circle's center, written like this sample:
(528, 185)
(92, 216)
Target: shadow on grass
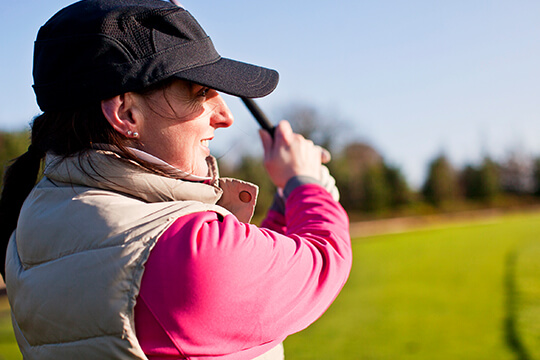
(511, 331)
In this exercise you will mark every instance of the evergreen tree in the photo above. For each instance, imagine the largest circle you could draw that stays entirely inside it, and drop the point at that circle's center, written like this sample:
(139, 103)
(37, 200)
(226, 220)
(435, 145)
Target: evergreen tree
(347, 183)
(441, 186)
(481, 183)
(537, 176)
(400, 193)
(377, 193)
(470, 182)
(488, 177)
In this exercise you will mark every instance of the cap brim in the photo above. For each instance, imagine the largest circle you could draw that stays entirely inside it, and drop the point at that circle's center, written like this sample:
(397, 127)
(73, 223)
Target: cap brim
(234, 78)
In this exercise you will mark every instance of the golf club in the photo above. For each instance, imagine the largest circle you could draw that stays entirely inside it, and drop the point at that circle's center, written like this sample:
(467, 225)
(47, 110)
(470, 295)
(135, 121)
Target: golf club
(259, 115)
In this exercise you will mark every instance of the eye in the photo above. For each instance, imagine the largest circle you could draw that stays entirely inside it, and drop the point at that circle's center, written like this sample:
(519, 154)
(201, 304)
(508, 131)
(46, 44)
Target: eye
(203, 92)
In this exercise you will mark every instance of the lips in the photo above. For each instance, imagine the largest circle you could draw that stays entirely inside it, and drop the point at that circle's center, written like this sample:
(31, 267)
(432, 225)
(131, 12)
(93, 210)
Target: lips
(206, 142)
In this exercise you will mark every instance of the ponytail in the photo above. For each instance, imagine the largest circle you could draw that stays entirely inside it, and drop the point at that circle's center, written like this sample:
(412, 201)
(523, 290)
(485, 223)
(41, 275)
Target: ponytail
(19, 179)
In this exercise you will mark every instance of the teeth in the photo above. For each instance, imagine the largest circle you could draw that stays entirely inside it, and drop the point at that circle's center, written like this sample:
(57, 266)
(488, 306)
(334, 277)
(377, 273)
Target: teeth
(205, 142)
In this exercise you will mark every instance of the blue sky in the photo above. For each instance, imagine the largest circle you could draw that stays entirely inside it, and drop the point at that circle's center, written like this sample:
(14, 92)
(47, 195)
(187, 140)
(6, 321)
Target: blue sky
(413, 78)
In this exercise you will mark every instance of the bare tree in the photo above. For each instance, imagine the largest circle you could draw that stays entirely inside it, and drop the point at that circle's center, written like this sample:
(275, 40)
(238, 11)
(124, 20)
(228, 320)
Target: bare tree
(325, 130)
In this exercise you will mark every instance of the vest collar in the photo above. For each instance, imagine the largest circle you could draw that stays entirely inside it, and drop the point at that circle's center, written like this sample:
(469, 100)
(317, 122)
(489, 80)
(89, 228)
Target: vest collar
(104, 169)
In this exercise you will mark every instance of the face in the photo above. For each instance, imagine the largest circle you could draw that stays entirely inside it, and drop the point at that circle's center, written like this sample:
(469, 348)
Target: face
(178, 122)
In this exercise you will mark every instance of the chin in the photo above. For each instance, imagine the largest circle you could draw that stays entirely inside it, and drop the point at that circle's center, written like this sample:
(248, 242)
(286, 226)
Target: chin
(201, 171)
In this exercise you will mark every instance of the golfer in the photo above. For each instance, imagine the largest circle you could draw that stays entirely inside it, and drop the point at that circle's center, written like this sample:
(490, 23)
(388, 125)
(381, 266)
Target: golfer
(131, 246)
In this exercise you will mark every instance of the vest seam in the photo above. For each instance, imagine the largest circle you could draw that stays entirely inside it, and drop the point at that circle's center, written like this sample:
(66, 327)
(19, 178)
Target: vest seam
(31, 264)
(59, 343)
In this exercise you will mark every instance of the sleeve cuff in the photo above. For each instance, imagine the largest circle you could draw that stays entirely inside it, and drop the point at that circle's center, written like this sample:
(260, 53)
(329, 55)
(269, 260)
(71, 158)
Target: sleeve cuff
(297, 181)
(278, 204)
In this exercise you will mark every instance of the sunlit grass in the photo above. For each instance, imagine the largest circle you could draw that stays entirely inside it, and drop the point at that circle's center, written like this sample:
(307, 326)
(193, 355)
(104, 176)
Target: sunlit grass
(438, 294)
(434, 294)
(524, 304)
(8, 344)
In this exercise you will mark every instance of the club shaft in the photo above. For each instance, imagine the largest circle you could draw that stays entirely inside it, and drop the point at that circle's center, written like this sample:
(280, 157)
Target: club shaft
(259, 115)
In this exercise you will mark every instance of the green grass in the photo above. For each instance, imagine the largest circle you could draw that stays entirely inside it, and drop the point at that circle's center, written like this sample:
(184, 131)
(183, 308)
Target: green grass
(433, 294)
(8, 345)
(524, 302)
(462, 292)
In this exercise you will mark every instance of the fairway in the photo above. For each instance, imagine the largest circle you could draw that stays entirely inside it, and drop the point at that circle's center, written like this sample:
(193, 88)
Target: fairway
(8, 346)
(435, 294)
(467, 292)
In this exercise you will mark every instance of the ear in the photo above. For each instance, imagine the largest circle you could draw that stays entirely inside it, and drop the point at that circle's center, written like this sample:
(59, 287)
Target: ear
(120, 112)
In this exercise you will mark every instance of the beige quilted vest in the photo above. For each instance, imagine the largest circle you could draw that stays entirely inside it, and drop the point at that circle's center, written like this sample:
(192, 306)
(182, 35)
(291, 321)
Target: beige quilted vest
(73, 295)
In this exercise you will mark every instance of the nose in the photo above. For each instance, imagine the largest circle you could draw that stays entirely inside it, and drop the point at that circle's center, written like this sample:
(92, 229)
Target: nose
(222, 116)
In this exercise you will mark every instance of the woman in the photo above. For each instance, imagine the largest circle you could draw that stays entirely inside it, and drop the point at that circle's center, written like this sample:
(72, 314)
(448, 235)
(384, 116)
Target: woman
(131, 246)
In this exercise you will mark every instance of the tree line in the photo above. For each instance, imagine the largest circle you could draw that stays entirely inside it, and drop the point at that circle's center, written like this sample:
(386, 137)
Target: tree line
(368, 184)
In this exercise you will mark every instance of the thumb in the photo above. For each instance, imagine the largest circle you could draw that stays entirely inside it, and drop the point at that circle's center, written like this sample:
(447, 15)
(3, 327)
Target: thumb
(325, 156)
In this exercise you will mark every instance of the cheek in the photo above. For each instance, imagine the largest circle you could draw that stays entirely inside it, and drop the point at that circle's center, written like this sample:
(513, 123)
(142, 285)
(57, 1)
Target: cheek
(186, 153)
(178, 141)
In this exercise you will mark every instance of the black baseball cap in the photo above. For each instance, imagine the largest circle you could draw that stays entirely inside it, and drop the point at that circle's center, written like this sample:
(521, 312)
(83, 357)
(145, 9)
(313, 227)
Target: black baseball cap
(96, 49)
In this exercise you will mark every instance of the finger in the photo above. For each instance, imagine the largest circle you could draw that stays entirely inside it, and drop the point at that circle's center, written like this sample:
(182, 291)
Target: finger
(325, 155)
(266, 140)
(284, 131)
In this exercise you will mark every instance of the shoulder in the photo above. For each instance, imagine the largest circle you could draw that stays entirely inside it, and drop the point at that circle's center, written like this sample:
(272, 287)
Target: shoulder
(207, 244)
(208, 231)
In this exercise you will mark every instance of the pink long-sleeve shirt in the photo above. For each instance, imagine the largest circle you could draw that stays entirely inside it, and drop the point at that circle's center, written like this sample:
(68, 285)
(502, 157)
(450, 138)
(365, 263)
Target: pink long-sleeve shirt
(217, 288)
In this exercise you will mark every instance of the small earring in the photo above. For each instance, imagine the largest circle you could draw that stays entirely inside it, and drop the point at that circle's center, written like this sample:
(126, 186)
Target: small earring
(135, 134)
(129, 133)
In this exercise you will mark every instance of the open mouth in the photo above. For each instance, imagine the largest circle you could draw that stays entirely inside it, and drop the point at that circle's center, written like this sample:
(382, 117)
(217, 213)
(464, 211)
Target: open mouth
(206, 142)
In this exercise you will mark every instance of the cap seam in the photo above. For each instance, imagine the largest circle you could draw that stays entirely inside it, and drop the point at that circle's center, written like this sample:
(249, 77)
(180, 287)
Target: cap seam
(191, 43)
(129, 24)
(193, 67)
